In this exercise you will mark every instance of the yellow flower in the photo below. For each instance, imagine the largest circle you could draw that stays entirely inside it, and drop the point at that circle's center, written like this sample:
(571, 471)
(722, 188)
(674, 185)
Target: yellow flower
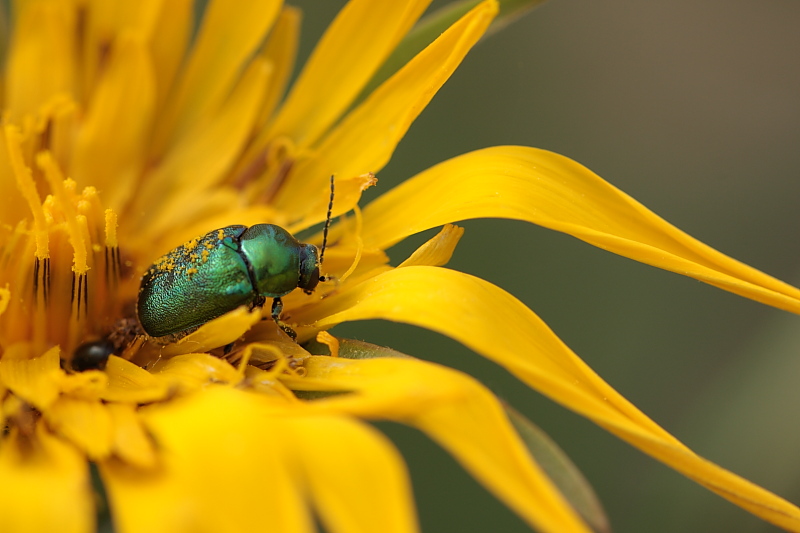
(125, 135)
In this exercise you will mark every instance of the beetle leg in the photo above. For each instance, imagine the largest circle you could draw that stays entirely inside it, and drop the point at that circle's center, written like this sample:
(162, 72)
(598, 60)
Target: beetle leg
(259, 301)
(277, 309)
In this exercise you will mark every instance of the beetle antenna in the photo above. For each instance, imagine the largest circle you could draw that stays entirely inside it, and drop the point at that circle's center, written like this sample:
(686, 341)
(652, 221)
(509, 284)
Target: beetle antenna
(327, 225)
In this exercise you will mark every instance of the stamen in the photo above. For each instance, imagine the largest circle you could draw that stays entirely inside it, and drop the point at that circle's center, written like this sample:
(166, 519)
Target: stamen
(75, 223)
(80, 293)
(47, 280)
(111, 229)
(113, 265)
(36, 277)
(78, 307)
(330, 341)
(41, 280)
(27, 187)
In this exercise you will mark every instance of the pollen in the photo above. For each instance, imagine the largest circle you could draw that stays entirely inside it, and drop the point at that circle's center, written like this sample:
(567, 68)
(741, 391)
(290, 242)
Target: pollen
(65, 267)
(110, 227)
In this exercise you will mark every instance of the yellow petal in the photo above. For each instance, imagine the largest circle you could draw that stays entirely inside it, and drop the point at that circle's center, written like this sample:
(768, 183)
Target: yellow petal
(339, 259)
(363, 35)
(280, 51)
(348, 193)
(498, 326)
(88, 385)
(436, 22)
(109, 18)
(130, 383)
(85, 423)
(168, 43)
(356, 478)
(222, 468)
(557, 193)
(438, 250)
(106, 22)
(187, 372)
(45, 485)
(109, 148)
(230, 33)
(202, 155)
(5, 296)
(367, 137)
(36, 380)
(218, 332)
(457, 412)
(130, 441)
(13, 207)
(41, 61)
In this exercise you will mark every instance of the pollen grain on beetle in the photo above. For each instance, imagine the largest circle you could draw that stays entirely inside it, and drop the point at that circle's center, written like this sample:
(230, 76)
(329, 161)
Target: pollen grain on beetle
(129, 131)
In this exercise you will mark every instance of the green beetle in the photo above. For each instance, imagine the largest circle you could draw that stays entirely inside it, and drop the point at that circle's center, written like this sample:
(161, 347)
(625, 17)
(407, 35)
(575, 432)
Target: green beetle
(224, 269)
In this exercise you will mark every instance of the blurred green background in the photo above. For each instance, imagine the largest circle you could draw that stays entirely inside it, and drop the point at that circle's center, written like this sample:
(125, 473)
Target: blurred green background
(693, 108)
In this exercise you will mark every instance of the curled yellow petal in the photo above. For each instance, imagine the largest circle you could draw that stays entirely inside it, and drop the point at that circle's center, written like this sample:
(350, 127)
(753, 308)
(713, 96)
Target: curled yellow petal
(438, 250)
(555, 192)
(454, 410)
(498, 326)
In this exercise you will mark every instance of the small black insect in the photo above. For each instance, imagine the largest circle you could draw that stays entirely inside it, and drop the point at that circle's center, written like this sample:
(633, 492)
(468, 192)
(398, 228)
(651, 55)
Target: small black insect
(92, 355)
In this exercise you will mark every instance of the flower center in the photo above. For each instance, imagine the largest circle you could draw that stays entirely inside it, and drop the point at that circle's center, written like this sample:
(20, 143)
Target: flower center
(61, 267)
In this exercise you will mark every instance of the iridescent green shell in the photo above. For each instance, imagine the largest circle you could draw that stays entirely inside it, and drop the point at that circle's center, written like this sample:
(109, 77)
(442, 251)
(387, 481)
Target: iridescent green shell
(222, 270)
